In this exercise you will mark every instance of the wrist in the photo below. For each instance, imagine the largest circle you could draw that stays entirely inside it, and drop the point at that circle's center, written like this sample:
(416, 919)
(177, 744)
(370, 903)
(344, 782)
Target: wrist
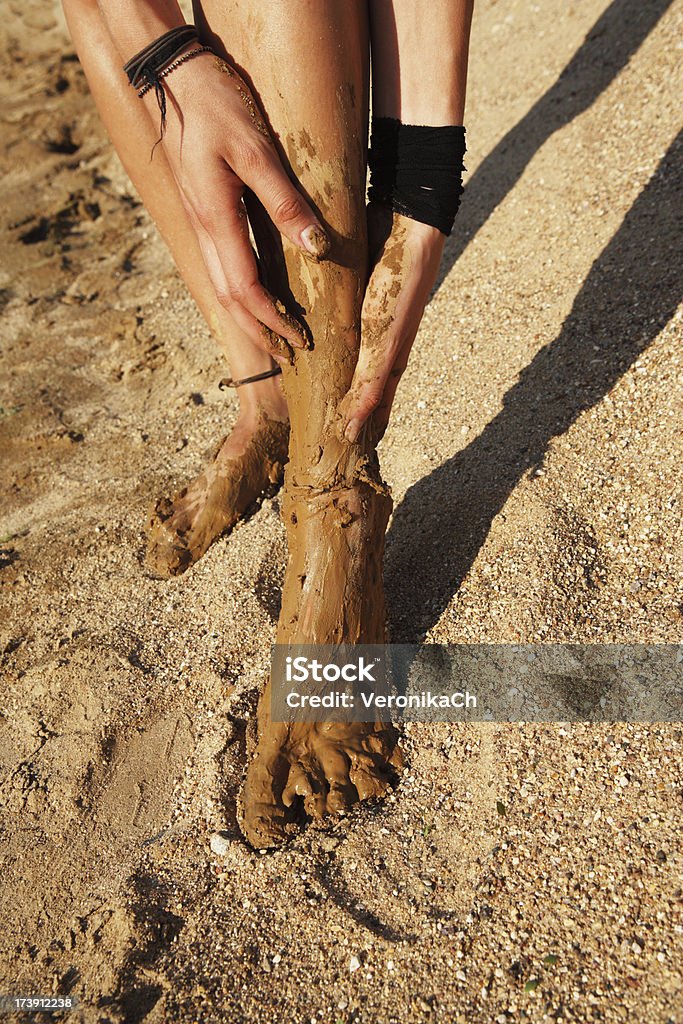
(417, 170)
(133, 25)
(148, 69)
(424, 242)
(179, 80)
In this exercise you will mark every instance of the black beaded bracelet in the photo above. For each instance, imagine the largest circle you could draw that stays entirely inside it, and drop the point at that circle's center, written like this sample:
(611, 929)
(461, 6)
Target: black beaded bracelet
(188, 55)
(148, 68)
(146, 65)
(417, 170)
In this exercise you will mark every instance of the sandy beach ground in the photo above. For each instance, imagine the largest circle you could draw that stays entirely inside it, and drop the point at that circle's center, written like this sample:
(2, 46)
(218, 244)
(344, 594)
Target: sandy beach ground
(518, 872)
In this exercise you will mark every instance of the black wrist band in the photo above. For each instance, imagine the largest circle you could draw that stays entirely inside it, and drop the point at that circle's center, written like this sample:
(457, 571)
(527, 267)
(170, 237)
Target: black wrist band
(417, 170)
(148, 68)
(144, 67)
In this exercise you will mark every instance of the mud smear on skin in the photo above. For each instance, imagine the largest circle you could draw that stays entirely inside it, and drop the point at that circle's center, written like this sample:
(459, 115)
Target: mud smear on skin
(278, 346)
(181, 529)
(388, 237)
(335, 508)
(245, 95)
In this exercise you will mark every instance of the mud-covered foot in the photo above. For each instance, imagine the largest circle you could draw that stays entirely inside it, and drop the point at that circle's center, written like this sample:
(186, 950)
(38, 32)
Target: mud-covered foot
(249, 461)
(310, 769)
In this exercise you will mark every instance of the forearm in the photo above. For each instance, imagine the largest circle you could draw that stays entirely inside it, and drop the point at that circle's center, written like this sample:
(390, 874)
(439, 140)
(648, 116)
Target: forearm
(134, 24)
(426, 84)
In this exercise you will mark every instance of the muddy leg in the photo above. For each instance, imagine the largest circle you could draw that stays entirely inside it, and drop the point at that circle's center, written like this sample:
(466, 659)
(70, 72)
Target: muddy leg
(251, 458)
(308, 64)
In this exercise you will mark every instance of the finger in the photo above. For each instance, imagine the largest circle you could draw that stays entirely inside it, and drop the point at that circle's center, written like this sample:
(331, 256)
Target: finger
(263, 336)
(221, 214)
(260, 169)
(266, 339)
(392, 310)
(383, 410)
(384, 353)
(231, 239)
(375, 363)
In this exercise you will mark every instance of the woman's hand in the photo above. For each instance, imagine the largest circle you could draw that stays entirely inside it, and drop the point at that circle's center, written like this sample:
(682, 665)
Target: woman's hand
(217, 143)
(406, 256)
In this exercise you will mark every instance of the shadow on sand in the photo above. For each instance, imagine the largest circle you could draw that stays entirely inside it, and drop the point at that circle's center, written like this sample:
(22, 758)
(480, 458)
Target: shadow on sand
(607, 49)
(631, 292)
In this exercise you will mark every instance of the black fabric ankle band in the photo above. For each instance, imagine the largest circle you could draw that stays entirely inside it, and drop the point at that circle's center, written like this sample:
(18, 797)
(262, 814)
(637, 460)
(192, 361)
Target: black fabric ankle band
(417, 170)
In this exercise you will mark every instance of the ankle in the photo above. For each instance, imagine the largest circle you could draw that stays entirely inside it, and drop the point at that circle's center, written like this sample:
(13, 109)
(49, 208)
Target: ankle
(262, 397)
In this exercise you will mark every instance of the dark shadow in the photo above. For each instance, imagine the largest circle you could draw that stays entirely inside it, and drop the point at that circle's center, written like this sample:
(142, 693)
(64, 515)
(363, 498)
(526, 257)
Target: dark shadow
(329, 878)
(605, 51)
(630, 294)
(156, 930)
(8, 556)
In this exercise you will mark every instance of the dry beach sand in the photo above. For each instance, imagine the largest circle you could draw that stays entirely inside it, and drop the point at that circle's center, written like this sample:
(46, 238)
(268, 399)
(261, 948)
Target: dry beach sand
(518, 872)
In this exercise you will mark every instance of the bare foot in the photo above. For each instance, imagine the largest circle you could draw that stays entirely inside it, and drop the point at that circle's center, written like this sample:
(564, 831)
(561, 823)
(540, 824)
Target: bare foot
(250, 459)
(313, 769)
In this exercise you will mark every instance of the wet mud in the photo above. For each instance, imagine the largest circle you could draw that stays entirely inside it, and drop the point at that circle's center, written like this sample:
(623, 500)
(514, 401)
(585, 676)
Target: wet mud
(181, 529)
(335, 504)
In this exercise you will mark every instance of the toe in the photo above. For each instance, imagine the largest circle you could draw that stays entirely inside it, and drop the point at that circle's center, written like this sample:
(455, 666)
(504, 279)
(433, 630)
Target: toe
(166, 555)
(275, 473)
(380, 741)
(298, 784)
(371, 774)
(162, 511)
(335, 764)
(370, 781)
(265, 820)
(265, 827)
(397, 759)
(306, 781)
(384, 745)
(341, 797)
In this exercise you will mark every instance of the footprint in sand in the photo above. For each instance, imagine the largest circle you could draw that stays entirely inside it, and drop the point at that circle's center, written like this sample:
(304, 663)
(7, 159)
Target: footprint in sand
(138, 794)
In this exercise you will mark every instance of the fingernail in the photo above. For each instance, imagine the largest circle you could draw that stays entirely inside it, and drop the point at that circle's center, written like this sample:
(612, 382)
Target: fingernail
(352, 430)
(276, 342)
(294, 326)
(299, 339)
(315, 241)
(295, 342)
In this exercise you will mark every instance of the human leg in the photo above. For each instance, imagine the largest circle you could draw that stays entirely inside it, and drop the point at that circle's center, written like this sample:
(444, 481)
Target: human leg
(252, 456)
(307, 64)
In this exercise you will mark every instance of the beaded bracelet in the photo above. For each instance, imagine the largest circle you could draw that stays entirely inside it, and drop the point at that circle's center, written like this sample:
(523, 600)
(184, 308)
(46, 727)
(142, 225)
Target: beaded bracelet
(171, 67)
(146, 64)
(148, 68)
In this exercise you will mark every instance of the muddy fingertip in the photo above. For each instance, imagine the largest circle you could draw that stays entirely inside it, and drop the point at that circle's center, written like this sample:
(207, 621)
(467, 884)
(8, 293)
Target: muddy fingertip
(278, 347)
(315, 242)
(352, 430)
(295, 326)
